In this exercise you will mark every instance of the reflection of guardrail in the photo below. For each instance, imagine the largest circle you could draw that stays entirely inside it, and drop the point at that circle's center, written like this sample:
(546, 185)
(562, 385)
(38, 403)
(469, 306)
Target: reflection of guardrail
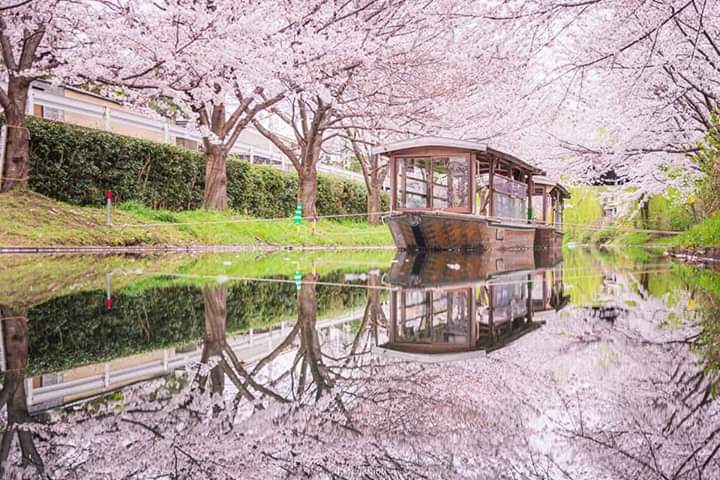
(249, 348)
(169, 131)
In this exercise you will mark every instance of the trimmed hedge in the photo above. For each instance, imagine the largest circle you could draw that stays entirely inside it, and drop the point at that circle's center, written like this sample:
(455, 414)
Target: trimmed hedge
(75, 330)
(77, 165)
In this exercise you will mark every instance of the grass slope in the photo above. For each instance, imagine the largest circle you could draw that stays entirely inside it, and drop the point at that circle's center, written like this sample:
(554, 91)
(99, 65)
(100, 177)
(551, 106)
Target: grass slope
(704, 234)
(29, 219)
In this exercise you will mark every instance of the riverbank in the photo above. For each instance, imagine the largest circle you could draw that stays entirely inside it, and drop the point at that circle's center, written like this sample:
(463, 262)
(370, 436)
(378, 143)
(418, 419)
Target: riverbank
(700, 243)
(32, 220)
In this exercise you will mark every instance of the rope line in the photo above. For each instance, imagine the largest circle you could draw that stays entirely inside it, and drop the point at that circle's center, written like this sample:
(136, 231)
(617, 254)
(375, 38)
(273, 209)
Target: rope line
(3, 178)
(486, 282)
(244, 220)
(521, 222)
(511, 220)
(18, 127)
(266, 280)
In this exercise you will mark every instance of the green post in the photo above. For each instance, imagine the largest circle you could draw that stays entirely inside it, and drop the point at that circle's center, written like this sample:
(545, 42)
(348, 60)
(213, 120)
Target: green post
(530, 213)
(298, 280)
(298, 214)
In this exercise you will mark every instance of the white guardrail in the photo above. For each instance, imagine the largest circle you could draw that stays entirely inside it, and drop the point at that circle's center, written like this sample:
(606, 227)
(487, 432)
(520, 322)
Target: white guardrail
(170, 131)
(249, 348)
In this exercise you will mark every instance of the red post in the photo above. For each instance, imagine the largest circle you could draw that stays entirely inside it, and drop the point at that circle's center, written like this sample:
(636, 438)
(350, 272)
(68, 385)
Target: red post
(108, 208)
(108, 292)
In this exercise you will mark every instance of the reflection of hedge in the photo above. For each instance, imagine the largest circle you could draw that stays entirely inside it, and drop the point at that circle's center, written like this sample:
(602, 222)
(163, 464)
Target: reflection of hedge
(75, 330)
(77, 165)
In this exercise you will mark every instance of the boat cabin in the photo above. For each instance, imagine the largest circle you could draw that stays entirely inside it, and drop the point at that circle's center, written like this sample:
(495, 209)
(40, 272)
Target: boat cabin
(476, 308)
(549, 198)
(458, 195)
(434, 173)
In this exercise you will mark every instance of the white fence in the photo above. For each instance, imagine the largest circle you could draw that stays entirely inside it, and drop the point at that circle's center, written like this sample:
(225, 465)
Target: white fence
(169, 131)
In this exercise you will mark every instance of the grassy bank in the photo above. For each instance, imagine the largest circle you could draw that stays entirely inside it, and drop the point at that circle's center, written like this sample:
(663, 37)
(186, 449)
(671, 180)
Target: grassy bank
(34, 279)
(28, 219)
(705, 234)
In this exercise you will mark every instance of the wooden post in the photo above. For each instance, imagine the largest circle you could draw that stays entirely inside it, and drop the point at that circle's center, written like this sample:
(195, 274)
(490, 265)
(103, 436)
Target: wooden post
(529, 200)
(561, 206)
(473, 176)
(491, 187)
(3, 143)
(393, 183)
(545, 197)
(392, 324)
(529, 313)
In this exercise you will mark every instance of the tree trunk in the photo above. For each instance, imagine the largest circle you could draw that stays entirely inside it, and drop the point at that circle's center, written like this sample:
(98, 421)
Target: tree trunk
(645, 211)
(215, 196)
(15, 335)
(16, 167)
(307, 193)
(373, 205)
(215, 302)
(309, 338)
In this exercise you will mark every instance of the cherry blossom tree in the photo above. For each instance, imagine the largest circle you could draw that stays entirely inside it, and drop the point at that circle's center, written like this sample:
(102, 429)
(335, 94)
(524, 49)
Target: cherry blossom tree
(406, 68)
(215, 61)
(624, 88)
(36, 39)
(374, 170)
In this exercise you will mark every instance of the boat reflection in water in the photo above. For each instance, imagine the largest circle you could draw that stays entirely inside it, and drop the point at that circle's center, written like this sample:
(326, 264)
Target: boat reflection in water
(446, 306)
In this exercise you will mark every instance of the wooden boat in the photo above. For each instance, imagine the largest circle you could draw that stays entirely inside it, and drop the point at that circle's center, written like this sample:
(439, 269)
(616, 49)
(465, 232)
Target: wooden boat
(458, 195)
(445, 306)
(548, 217)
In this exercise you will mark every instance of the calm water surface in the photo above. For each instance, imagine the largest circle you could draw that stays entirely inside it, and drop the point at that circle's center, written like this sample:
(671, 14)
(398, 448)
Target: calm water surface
(581, 365)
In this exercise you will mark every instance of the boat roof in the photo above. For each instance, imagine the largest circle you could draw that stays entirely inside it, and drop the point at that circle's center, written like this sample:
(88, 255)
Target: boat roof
(431, 141)
(543, 180)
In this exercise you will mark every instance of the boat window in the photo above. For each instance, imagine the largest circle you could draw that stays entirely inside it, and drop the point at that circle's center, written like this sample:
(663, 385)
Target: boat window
(510, 298)
(510, 199)
(438, 183)
(426, 316)
(459, 182)
(412, 181)
(537, 203)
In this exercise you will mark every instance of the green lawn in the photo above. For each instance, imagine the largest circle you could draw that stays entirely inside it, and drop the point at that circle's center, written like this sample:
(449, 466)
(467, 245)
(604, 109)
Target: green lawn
(29, 219)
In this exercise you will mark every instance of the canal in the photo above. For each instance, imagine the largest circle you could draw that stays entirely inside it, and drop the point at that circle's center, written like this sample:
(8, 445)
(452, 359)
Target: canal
(593, 364)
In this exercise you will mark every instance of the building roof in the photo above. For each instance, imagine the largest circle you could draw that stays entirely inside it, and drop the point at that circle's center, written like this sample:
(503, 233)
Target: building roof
(430, 141)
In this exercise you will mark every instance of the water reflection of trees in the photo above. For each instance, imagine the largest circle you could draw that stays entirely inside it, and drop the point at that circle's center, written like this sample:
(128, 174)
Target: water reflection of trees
(318, 404)
(13, 397)
(665, 422)
(324, 404)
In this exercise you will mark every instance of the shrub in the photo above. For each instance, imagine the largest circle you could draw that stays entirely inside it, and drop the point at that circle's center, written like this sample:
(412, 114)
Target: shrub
(78, 165)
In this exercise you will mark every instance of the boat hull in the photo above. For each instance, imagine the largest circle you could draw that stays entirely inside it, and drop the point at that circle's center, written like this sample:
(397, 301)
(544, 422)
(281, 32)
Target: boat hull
(438, 231)
(548, 238)
(442, 269)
